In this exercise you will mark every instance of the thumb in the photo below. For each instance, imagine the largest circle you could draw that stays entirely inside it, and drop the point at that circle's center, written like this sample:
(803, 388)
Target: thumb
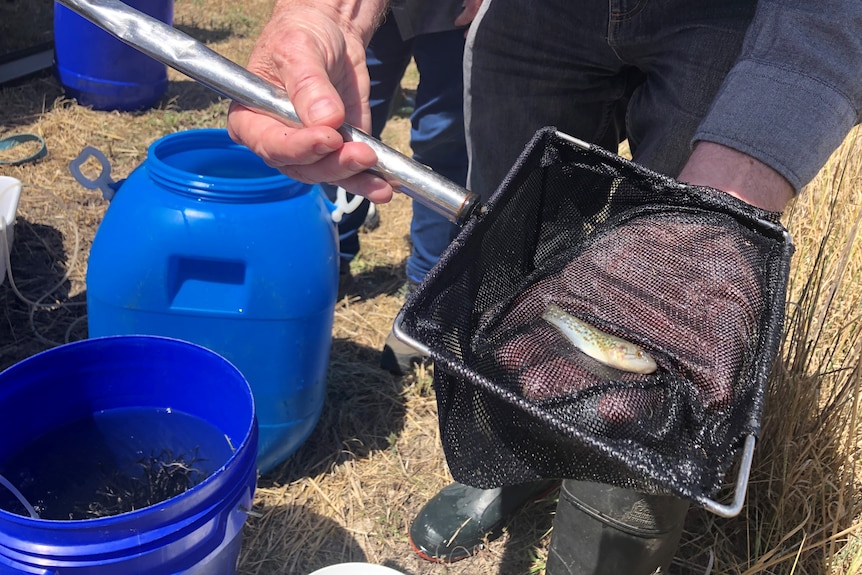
(315, 98)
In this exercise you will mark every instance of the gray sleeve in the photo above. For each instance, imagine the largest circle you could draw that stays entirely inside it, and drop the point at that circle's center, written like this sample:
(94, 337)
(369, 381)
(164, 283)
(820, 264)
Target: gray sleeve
(796, 90)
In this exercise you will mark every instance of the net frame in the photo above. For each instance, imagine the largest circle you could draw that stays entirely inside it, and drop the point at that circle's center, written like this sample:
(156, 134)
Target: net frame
(489, 262)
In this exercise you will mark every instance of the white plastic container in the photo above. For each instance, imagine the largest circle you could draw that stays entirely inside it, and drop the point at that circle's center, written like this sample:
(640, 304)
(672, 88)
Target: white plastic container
(10, 191)
(356, 569)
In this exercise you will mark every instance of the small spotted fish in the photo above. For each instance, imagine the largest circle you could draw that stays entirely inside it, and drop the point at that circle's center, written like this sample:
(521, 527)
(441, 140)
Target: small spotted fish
(603, 347)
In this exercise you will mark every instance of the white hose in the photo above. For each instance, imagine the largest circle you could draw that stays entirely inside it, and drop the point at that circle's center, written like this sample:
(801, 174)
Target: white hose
(20, 496)
(37, 305)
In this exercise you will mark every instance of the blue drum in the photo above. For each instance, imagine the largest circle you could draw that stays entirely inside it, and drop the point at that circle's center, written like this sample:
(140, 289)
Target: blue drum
(101, 71)
(204, 242)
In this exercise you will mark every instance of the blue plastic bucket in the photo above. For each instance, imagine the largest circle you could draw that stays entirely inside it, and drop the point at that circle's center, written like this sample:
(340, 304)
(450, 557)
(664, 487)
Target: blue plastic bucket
(206, 243)
(86, 382)
(101, 71)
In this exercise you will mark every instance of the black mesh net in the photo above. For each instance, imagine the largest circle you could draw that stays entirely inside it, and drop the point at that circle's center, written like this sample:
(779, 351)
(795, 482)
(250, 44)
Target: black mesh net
(602, 322)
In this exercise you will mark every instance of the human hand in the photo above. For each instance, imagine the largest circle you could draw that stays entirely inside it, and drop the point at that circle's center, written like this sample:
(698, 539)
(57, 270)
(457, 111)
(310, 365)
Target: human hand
(318, 57)
(686, 291)
(471, 8)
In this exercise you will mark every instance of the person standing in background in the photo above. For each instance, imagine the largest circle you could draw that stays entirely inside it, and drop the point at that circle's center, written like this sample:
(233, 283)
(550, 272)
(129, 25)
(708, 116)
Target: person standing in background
(748, 97)
(432, 33)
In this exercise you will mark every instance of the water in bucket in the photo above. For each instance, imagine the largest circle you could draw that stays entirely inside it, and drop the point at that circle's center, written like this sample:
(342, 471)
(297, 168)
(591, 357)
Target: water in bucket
(112, 462)
(206, 243)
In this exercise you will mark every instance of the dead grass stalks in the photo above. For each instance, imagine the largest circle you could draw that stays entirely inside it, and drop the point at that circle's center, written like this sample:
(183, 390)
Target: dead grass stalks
(804, 500)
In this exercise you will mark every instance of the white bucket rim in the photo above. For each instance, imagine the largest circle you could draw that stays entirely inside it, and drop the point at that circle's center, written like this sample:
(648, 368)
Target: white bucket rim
(356, 569)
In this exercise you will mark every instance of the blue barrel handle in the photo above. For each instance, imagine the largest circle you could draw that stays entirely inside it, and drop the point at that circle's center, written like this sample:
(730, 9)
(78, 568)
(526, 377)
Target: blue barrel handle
(101, 182)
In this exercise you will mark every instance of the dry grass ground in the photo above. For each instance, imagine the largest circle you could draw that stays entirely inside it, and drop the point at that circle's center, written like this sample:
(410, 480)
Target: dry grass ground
(351, 491)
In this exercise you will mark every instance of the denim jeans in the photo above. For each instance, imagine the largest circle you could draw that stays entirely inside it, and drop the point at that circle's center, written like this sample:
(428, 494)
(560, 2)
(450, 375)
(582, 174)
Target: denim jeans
(437, 129)
(599, 70)
(602, 71)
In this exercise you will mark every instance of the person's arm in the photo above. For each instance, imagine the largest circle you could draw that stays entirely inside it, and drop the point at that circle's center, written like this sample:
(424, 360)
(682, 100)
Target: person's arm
(738, 174)
(315, 50)
(471, 8)
(788, 103)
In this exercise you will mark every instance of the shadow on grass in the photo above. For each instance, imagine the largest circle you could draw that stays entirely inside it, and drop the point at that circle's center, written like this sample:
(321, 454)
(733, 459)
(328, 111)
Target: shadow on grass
(362, 411)
(188, 95)
(316, 542)
(36, 250)
(377, 281)
(206, 35)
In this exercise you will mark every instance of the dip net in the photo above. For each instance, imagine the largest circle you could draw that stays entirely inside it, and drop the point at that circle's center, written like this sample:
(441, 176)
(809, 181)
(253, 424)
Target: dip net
(688, 278)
